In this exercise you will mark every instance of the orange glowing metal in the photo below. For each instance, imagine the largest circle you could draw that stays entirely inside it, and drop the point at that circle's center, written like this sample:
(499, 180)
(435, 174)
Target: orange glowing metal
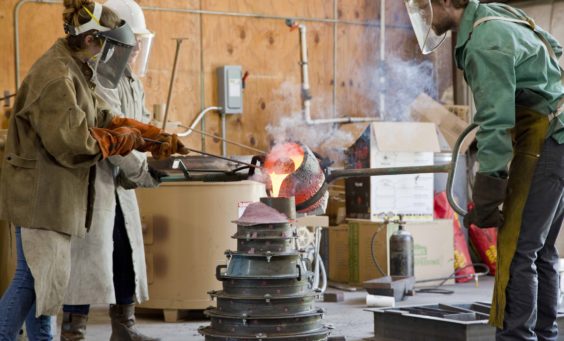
(282, 161)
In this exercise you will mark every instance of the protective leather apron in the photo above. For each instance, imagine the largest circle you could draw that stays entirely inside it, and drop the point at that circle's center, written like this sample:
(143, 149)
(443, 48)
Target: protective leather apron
(528, 139)
(529, 135)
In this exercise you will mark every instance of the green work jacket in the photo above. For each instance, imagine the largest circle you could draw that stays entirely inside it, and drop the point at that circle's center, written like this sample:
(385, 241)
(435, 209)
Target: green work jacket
(506, 65)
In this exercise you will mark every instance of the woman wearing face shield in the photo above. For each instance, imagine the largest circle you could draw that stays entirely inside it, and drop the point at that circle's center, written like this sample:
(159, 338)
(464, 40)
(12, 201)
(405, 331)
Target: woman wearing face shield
(117, 275)
(57, 133)
(512, 67)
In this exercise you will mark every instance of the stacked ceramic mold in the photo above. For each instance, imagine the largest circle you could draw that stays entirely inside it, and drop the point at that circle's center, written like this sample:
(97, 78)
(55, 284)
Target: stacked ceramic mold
(267, 291)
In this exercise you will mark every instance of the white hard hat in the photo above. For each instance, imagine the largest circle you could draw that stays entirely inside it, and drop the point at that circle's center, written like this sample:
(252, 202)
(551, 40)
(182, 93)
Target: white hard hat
(131, 12)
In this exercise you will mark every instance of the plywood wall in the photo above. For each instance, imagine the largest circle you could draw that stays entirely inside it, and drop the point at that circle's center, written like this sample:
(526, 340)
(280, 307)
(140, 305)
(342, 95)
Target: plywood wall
(344, 58)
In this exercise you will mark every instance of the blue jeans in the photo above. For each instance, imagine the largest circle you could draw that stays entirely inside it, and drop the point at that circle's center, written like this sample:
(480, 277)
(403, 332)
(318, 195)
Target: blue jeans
(534, 285)
(124, 275)
(18, 304)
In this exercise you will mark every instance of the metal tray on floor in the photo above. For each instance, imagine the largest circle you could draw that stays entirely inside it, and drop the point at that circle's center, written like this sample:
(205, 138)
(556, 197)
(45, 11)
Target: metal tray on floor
(460, 322)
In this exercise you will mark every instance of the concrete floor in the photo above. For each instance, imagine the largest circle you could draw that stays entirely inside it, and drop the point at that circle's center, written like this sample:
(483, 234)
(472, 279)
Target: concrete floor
(349, 318)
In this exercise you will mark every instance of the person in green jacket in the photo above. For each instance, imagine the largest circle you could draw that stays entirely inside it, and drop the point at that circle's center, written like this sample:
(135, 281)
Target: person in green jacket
(511, 66)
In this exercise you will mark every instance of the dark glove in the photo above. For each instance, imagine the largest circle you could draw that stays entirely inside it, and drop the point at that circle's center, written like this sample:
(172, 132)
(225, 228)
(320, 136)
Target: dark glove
(118, 141)
(488, 194)
(157, 174)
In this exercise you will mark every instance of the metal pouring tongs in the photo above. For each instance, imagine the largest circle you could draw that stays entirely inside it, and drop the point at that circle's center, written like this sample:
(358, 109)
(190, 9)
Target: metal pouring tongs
(334, 174)
(209, 154)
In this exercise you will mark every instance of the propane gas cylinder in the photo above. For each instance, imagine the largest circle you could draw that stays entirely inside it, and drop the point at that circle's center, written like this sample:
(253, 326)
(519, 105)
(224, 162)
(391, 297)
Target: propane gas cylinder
(401, 252)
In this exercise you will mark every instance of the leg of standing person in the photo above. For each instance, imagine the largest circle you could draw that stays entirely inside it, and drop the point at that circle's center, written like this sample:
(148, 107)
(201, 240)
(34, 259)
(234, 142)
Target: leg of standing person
(19, 299)
(548, 260)
(123, 312)
(38, 328)
(540, 217)
(549, 284)
(124, 275)
(75, 318)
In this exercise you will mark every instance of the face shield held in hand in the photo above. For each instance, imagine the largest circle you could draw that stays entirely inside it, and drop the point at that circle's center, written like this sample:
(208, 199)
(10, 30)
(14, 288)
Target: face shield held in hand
(421, 16)
(118, 43)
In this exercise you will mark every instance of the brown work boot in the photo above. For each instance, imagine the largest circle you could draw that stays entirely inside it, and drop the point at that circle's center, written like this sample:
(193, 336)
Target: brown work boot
(123, 324)
(73, 327)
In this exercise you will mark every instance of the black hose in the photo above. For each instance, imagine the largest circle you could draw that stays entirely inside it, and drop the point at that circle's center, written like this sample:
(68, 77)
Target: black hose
(437, 288)
(374, 260)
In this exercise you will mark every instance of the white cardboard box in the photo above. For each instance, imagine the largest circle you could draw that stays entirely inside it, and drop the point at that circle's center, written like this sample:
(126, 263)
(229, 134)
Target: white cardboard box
(401, 145)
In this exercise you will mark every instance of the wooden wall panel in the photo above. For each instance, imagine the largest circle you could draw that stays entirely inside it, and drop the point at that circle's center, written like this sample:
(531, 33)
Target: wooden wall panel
(357, 83)
(186, 90)
(264, 47)
(270, 53)
(365, 10)
(7, 46)
(49, 24)
(185, 4)
(284, 8)
(396, 14)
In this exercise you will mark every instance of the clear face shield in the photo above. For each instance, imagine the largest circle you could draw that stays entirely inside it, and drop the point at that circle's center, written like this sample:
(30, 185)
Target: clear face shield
(139, 59)
(421, 16)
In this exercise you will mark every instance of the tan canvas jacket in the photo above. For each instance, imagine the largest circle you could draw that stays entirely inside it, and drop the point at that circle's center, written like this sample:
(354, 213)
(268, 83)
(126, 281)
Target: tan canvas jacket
(47, 171)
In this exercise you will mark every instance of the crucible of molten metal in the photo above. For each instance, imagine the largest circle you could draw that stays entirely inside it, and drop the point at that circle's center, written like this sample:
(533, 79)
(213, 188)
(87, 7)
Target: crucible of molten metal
(295, 171)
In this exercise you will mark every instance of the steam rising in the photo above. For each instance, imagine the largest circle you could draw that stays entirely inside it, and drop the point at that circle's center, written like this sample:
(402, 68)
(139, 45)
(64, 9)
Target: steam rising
(405, 81)
(326, 139)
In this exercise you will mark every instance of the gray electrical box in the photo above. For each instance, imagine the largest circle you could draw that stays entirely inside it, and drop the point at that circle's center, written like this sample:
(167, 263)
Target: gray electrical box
(230, 82)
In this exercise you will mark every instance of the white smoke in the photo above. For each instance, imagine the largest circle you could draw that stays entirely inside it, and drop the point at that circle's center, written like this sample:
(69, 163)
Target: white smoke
(326, 139)
(405, 80)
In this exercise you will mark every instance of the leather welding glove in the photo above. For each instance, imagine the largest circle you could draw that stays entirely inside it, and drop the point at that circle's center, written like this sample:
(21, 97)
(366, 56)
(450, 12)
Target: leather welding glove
(488, 193)
(147, 130)
(118, 141)
(165, 145)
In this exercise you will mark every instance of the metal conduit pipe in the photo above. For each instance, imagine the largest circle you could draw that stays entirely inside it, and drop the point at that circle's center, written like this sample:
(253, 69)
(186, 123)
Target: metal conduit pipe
(306, 94)
(197, 120)
(382, 107)
(335, 40)
(190, 11)
(17, 34)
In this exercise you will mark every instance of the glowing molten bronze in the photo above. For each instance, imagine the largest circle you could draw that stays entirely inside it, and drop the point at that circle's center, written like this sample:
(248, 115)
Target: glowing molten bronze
(282, 161)
(295, 171)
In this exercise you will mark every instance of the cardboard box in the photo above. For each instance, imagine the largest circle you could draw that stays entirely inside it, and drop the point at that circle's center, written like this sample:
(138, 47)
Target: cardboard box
(361, 266)
(339, 253)
(433, 250)
(392, 144)
(350, 251)
(425, 109)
